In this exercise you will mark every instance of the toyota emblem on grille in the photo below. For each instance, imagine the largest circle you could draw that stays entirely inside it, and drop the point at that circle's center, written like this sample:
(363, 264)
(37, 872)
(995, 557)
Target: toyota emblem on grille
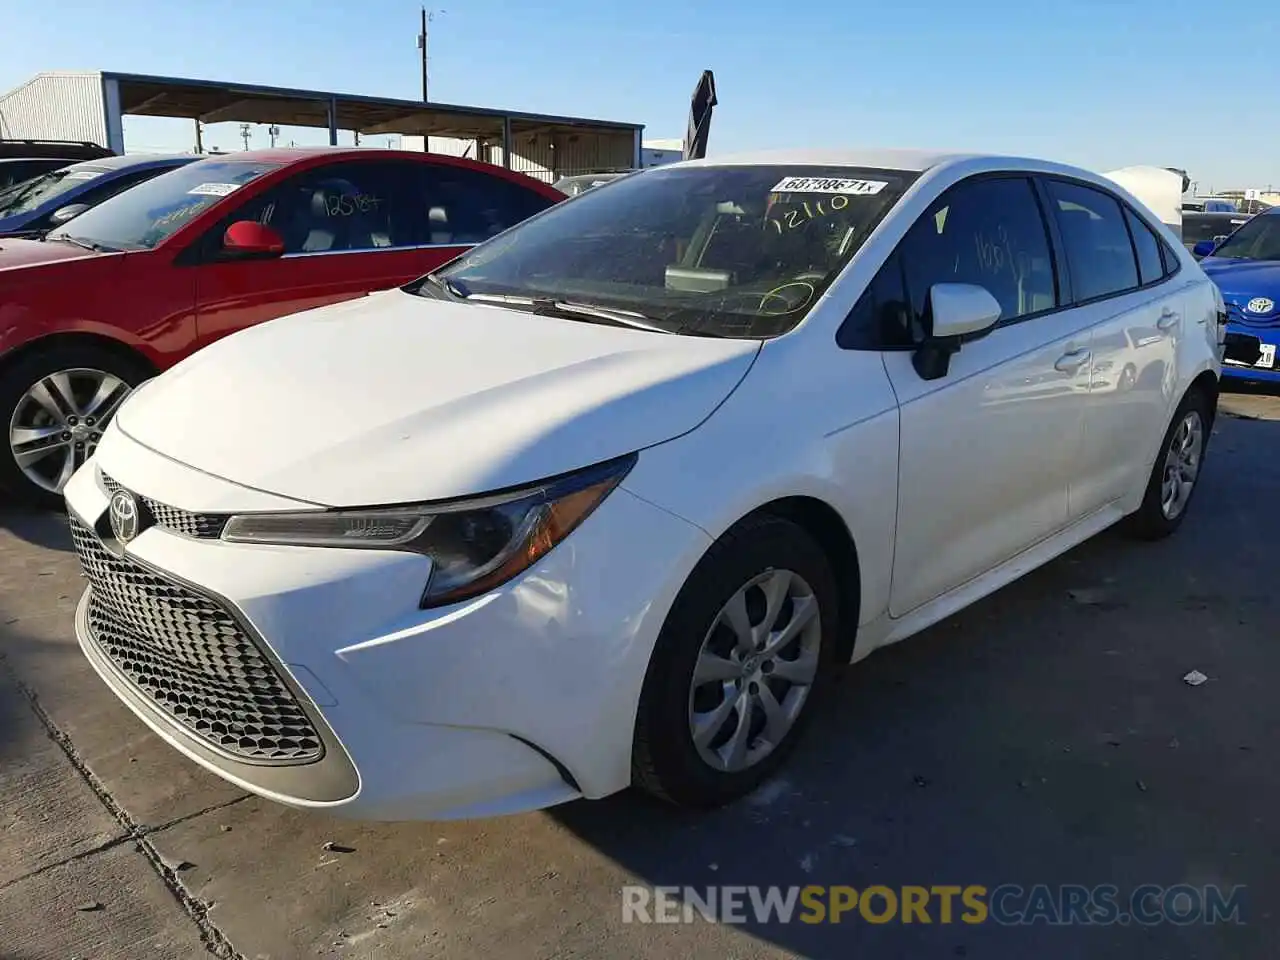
(1260, 305)
(124, 515)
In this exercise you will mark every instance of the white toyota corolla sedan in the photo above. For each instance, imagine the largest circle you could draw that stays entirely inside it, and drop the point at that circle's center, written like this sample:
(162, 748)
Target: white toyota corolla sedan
(602, 502)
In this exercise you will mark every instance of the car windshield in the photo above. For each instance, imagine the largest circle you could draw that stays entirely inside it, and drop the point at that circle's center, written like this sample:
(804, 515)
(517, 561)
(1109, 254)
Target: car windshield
(27, 196)
(140, 218)
(1199, 227)
(1259, 239)
(732, 251)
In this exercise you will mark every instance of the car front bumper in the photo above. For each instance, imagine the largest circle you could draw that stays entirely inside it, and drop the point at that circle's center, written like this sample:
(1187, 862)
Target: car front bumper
(1239, 363)
(517, 700)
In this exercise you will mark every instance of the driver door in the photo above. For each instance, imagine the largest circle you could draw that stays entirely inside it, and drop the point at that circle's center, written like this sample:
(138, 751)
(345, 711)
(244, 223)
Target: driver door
(348, 228)
(986, 451)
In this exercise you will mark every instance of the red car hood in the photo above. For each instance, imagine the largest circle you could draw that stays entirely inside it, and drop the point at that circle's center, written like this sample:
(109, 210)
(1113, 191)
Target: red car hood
(15, 254)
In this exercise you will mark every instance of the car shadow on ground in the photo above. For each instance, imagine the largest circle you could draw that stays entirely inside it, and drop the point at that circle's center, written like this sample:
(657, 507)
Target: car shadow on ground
(1042, 736)
(42, 528)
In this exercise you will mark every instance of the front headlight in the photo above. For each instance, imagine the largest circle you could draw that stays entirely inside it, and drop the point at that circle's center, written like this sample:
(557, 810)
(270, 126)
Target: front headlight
(474, 545)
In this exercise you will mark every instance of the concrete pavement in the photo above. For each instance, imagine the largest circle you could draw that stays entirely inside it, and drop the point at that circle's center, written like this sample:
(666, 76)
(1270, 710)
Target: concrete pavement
(1042, 736)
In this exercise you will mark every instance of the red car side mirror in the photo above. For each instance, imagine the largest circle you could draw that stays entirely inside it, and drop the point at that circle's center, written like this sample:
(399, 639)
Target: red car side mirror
(248, 238)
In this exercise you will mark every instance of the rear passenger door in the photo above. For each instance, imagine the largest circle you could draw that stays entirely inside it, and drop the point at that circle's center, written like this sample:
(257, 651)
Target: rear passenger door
(1124, 286)
(986, 453)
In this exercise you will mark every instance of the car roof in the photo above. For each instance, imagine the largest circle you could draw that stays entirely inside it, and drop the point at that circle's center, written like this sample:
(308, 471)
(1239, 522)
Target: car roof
(29, 159)
(891, 159)
(292, 154)
(131, 160)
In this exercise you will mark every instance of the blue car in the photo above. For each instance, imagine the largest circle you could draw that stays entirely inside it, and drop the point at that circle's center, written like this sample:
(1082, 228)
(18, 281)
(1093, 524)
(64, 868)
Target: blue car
(34, 207)
(1246, 268)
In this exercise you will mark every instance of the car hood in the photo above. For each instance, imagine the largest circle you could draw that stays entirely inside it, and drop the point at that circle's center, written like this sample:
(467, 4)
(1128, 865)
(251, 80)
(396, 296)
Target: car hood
(16, 254)
(1253, 278)
(395, 398)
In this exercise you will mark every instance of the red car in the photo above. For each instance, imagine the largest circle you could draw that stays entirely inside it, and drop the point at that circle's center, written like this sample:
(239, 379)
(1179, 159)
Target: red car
(159, 271)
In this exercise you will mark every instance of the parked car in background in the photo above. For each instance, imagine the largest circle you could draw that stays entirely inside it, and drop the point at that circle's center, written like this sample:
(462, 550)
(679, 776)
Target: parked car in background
(145, 278)
(575, 185)
(18, 170)
(1210, 205)
(1214, 227)
(605, 500)
(69, 150)
(23, 159)
(54, 198)
(1246, 268)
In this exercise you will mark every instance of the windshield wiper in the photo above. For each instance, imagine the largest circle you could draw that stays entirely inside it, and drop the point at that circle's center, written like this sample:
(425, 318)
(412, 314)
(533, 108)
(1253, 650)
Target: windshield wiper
(85, 244)
(569, 309)
(452, 287)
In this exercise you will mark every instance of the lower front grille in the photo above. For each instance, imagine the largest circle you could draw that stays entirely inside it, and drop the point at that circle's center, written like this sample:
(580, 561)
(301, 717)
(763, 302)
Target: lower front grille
(191, 657)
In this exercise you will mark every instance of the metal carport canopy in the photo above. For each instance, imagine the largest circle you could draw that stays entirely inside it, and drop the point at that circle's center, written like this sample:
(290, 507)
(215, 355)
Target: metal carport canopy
(211, 101)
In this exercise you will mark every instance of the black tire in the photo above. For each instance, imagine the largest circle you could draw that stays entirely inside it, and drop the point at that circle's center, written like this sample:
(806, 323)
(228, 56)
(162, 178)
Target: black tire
(1149, 521)
(20, 376)
(665, 762)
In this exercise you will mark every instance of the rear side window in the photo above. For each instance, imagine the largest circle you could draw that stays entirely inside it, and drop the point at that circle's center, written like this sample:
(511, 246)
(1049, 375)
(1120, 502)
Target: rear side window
(985, 232)
(1147, 245)
(462, 206)
(1097, 243)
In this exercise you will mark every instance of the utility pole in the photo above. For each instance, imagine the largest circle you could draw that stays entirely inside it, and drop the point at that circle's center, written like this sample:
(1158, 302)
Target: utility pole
(427, 18)
(244, 134)
(273, 131)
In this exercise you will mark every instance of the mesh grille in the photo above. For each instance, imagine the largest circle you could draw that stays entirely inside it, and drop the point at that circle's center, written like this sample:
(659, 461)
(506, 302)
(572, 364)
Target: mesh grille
(191, 658)
(206, 526)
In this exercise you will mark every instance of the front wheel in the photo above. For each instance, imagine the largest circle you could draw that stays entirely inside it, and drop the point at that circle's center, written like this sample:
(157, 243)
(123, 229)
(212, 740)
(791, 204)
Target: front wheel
(737, 667)
(1176, 472)
(55, 404)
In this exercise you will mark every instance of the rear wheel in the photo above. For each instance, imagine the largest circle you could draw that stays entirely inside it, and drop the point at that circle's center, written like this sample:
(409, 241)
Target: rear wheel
(1176, 472)
(54, 406)
(737, 667)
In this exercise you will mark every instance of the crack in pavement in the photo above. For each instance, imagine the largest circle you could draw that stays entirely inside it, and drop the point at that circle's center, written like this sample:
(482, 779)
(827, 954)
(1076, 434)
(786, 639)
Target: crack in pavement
(214, 940)
(137, 834)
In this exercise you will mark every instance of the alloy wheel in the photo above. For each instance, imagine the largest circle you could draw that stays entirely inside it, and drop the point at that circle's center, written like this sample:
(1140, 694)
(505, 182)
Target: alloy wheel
(58, 422)
(755, 670)
(1182, 465)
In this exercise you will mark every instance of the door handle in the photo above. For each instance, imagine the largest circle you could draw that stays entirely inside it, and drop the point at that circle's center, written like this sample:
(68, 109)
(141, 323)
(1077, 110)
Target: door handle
(1073, 361)
(1167, 319)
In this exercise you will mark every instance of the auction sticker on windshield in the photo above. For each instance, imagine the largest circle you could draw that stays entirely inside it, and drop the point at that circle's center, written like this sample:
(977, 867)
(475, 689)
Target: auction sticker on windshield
(83, 174)
(214, 189)
(829, 185)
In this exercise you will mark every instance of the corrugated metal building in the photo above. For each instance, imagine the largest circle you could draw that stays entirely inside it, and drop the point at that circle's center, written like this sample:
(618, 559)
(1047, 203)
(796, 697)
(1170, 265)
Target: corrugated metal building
(91, 106)
(58, 106)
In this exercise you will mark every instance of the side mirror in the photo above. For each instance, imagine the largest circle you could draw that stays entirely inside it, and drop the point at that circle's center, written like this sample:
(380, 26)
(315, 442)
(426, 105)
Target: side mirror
(69, 212)
(1203, 248)
(248, 239)
(960, 312)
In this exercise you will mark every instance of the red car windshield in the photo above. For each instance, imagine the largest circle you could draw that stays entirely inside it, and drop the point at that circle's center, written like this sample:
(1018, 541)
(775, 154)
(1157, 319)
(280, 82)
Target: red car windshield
(140, 218)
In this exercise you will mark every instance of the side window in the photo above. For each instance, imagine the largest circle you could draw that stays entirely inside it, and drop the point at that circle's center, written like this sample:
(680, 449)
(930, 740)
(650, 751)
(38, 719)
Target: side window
(1171, 262)
(1147, 244)
(1099, 251)
(985, 232)
(464, 206)
(882, 318)
(337, 207)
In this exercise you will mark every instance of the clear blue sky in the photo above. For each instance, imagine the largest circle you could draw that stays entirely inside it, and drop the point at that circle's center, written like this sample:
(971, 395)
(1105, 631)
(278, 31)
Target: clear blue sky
(1102, 83)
